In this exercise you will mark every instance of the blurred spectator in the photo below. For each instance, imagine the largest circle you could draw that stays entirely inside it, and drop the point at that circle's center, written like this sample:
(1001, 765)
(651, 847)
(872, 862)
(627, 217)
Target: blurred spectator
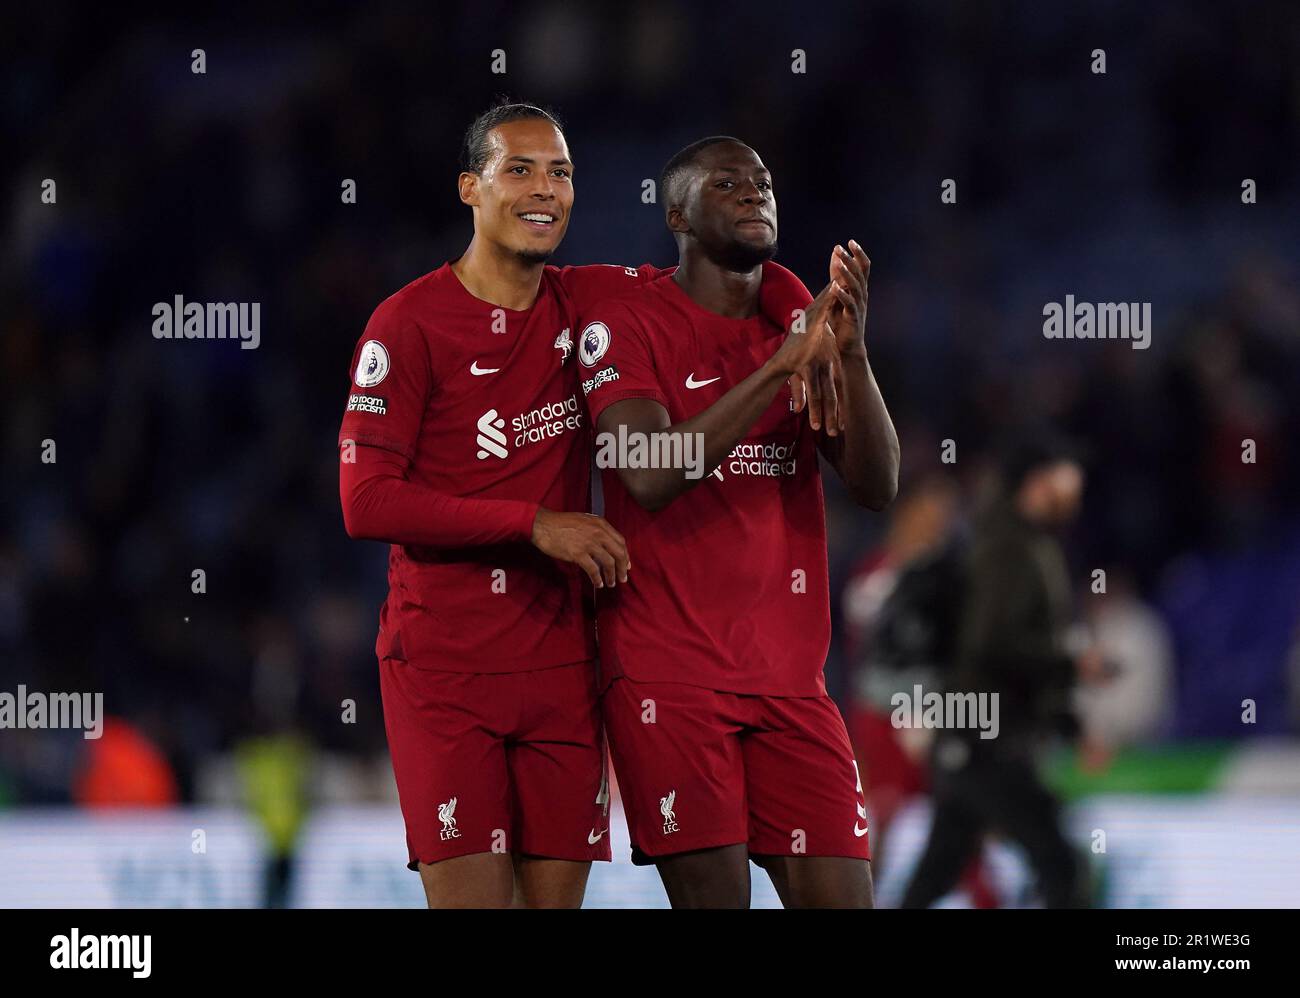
(921, 520)
(1136, 704)
(892, 759)
(123, 768)
(1011, 646)
(274, 773)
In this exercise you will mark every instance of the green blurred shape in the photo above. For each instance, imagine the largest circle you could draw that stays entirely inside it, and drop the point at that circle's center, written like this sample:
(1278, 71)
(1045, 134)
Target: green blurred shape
(274, 771)
(1180, 769)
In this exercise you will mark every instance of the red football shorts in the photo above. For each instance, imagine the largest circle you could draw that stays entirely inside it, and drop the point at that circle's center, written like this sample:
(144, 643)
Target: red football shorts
(507, 762)
(699, 768)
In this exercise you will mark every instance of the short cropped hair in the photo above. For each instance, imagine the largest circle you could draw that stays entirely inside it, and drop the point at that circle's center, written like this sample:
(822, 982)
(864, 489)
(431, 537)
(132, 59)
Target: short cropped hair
(474, 148)
(676, 169)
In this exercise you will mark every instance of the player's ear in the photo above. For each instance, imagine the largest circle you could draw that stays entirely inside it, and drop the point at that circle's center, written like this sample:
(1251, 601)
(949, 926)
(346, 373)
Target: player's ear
(468, 184)
(677, 219)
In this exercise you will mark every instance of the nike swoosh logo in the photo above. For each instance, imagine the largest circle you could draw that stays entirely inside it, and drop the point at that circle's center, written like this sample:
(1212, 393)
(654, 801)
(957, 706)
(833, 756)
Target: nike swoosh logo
(593, 838)
(475, 369)
(692, 383)
(859, 832)
(862, 812)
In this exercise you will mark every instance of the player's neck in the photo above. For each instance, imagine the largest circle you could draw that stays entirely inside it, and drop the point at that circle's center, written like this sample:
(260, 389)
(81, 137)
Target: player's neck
(726, 292)
(498, 276)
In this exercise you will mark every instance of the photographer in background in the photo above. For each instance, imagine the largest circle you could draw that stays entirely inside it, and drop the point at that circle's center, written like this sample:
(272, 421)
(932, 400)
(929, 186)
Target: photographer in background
(1010, 641)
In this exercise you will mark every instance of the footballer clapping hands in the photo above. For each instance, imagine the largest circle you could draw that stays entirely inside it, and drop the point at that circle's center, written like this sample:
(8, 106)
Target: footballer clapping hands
(833, 327)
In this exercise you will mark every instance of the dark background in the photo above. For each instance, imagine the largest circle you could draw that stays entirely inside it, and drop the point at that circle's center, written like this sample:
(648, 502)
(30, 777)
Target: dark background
(177, 455)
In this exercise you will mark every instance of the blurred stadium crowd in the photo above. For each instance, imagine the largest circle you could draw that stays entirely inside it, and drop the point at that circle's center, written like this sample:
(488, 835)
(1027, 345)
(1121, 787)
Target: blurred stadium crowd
(176, 456)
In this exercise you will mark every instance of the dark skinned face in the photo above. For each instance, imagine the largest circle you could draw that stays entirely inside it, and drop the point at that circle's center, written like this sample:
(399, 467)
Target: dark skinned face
(525, 192)
(728, 207)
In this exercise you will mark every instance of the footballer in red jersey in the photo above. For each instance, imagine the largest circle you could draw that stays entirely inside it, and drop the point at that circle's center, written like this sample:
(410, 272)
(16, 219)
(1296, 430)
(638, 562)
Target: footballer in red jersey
(724, 741)
(466, 447)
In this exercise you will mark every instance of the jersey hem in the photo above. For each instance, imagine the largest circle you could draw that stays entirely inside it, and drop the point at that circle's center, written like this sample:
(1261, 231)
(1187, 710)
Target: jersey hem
(608, 680)
(418, 661)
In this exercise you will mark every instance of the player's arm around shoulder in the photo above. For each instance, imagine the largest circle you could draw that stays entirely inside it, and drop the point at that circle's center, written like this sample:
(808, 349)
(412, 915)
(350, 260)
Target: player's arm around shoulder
(590, 284)
(781, 298)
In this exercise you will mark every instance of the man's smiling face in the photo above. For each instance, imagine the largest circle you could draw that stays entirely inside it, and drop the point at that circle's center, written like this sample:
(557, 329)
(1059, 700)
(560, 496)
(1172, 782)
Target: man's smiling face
(524, 194)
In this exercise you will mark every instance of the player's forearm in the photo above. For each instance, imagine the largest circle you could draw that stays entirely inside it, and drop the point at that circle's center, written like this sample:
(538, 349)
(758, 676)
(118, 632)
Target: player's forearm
(721, 426)
(866, 453)
(379, 504)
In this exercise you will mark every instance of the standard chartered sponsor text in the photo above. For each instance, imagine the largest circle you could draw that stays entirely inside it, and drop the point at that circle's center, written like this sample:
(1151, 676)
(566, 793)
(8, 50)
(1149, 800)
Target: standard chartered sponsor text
(549, 420)
(770, 459)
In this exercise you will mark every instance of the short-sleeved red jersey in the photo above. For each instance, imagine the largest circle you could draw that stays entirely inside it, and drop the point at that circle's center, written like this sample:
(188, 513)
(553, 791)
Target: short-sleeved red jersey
(482, 402)
(480, 406)
(728, 588)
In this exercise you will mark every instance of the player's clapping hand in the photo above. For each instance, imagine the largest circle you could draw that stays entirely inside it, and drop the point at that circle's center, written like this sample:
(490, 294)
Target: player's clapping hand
(586, 540)
(850, 271)
(811, 354)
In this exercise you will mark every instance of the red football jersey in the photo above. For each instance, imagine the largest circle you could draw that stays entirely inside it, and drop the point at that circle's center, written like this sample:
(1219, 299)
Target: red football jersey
(728, 587)
(481, 402)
